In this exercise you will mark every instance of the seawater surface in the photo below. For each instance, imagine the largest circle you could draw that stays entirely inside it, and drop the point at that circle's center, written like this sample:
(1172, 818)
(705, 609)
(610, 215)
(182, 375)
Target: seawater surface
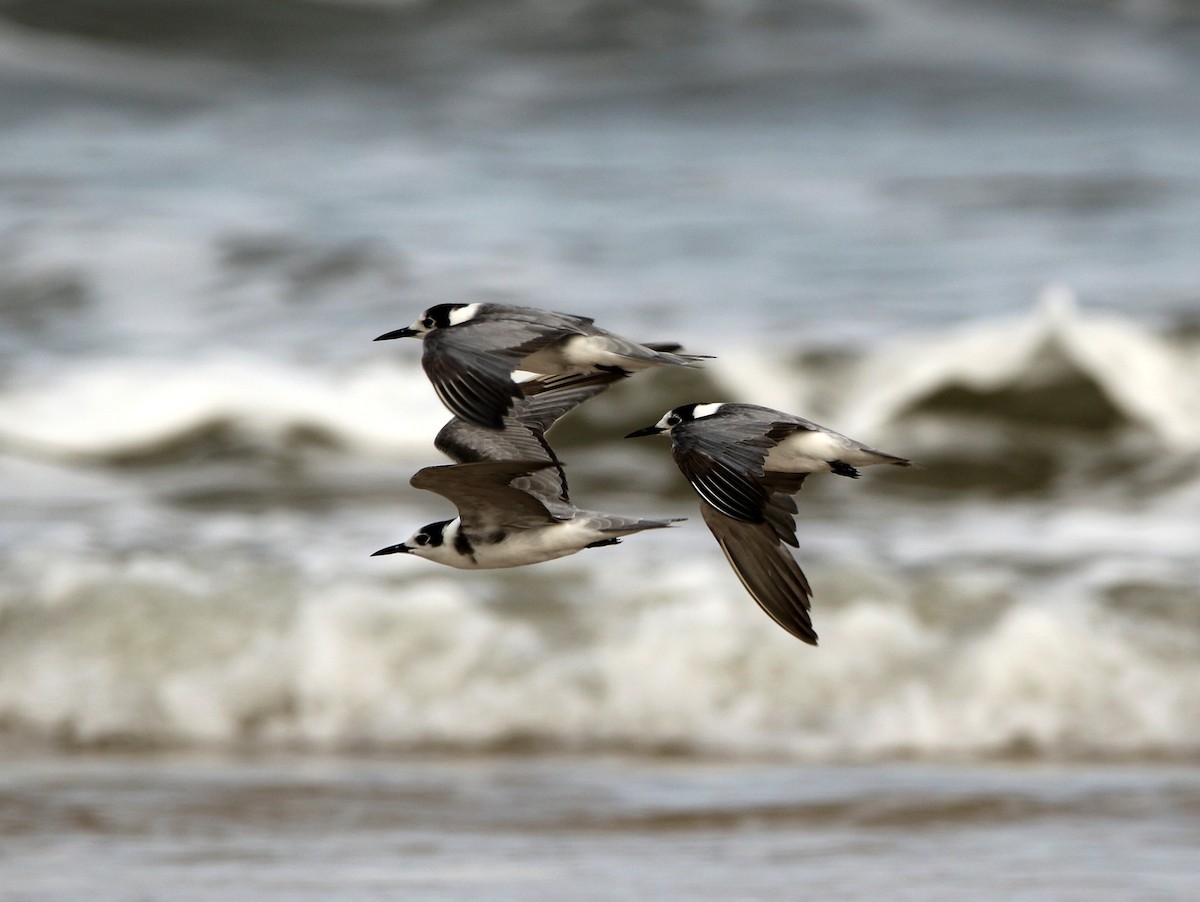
(118, 828)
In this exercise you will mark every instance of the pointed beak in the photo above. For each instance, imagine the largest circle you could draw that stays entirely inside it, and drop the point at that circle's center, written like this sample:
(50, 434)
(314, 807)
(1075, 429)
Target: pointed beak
(393, 549)
(649, 430)
(406, 332)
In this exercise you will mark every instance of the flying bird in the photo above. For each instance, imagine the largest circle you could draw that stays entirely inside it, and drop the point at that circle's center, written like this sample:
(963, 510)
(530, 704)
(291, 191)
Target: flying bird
(746, 462)
(471, 352)
(499, 525)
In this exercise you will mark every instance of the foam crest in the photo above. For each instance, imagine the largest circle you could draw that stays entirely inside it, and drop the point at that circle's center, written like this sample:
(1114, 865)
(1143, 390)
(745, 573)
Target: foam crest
(168, 653)
(1058, 368)
(131, 410)
(1145, 378)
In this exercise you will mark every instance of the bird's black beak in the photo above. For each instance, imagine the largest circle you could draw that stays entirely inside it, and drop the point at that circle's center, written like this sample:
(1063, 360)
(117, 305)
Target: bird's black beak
(393, 549)
(649, 430)
(406, 332)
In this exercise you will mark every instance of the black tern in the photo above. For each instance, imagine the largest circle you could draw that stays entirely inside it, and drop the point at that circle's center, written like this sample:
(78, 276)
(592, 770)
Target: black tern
(472, 350)
(499, 525)
(745, 462)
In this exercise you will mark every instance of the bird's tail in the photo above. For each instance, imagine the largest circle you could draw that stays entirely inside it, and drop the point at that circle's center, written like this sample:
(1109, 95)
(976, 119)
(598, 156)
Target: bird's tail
(885, 458)
(610, 524)
(670, 352)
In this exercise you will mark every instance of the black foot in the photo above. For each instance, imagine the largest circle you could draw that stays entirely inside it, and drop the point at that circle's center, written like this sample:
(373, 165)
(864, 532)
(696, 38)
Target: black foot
(603, 542)
(841, 468)
(616, 371)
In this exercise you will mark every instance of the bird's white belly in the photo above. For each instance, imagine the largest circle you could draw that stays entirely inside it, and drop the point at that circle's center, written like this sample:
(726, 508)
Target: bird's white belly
(806, 452)
(578, 354)
(532, 546)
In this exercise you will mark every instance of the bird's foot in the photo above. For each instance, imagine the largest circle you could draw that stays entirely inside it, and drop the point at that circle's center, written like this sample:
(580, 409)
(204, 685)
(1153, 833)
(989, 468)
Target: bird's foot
(603, 542)
(841, 468)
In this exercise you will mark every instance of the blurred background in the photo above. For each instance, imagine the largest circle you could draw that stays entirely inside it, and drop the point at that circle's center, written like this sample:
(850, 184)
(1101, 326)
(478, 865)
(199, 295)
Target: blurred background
(964, 232)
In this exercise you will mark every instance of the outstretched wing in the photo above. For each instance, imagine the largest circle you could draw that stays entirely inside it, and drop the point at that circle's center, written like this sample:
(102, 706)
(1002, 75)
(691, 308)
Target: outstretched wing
(726, 482)
(766, 569)
(471, 365)
(523, 437)
(483, 493)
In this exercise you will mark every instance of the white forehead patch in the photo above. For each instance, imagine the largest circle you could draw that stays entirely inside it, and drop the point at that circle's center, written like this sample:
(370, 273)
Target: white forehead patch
(705, 410)
(464, 314)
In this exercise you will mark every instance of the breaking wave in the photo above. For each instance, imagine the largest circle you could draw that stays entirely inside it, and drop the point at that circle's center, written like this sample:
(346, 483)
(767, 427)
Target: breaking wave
(154, 652)
(1060, 374)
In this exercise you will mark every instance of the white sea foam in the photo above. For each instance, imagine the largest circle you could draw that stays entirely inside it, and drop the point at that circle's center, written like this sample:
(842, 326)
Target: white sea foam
(122, 409)
(158, 651)
(1147, 378)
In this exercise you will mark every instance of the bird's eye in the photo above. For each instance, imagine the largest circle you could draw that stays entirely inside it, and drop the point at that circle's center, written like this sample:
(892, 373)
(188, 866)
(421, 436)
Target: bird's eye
(427, 322)
(422, 539)
(672, 420)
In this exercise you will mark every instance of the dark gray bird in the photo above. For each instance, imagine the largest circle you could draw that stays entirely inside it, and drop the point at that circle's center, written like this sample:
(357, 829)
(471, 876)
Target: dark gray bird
(510, 487)
(472, 350)
(746, 462)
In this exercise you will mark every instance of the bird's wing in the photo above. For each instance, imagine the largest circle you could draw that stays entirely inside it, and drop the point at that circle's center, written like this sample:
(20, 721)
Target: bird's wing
(471, 365)
(523, 436)
(766, 569)
(535, 315)
(726, 463)
(483, 494)
(549, 398)
(727, 477)
(781, 506)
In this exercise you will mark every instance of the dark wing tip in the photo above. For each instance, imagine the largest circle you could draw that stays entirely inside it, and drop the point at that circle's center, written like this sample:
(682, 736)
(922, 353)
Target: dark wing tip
(766, 570)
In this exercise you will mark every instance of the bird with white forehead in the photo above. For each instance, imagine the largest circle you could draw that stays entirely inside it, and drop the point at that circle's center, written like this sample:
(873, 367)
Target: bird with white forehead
(471, 352)
(746, 462)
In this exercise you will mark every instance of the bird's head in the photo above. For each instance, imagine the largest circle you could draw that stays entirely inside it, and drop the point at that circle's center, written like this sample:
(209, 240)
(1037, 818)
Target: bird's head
(430, 541)
(680, 416)
(440, 316)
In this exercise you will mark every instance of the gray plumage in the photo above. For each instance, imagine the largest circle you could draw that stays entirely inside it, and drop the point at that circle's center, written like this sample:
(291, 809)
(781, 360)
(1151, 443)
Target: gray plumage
(522, 435)
(745, 462)
(471, 351)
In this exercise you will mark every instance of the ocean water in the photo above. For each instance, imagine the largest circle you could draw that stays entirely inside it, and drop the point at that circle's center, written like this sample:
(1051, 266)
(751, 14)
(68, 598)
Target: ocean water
(961, 232)
(516, 828)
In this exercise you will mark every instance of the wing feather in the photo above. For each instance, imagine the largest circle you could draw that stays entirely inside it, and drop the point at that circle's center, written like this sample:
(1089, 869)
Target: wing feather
(735, 494)
(523, 436)
(767, 571)
(483, 493)
(471, 366)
